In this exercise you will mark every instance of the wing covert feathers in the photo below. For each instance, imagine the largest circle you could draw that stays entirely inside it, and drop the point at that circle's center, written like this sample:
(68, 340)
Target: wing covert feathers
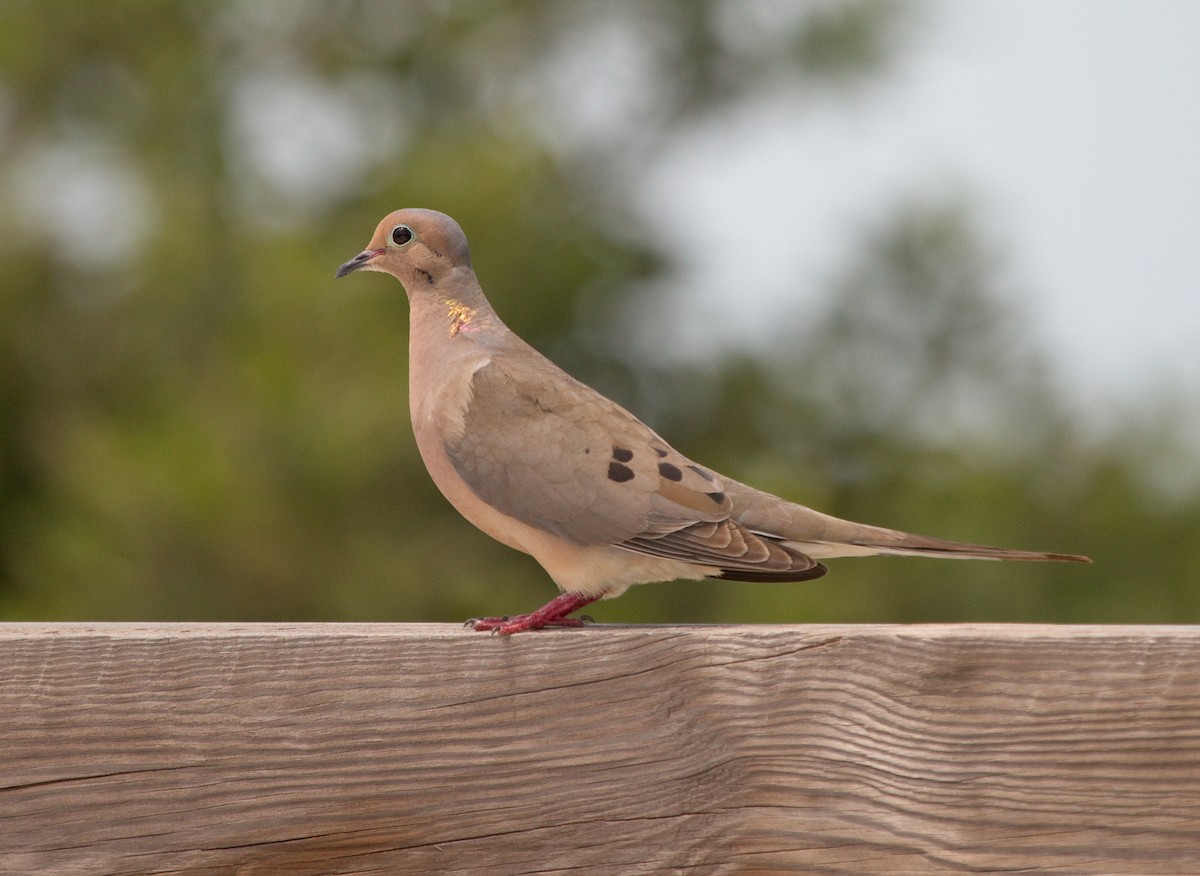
(543, 448)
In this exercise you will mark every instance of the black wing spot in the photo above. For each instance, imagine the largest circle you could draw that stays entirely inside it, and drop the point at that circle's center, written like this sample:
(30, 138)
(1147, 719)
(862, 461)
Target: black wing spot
(619, 472)
(704, 474)
(621, 454)
(718, 497)
(660, 451)
(670, 472)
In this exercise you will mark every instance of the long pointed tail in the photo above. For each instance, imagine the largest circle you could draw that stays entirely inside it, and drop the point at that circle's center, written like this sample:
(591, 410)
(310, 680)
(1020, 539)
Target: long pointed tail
(875, 540)
(821, 536)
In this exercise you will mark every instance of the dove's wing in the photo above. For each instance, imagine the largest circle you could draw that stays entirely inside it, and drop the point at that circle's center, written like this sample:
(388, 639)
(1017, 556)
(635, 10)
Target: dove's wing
(543, 448)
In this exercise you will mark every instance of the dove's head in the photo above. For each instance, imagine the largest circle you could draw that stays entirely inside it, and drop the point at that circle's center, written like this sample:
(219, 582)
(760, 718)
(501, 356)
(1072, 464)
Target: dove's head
(418, 247)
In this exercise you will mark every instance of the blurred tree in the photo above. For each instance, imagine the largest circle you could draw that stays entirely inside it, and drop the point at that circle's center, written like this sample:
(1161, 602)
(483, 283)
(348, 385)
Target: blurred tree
(196, 424)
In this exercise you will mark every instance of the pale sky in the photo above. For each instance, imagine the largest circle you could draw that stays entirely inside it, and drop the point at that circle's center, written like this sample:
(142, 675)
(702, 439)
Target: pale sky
(1075, 126)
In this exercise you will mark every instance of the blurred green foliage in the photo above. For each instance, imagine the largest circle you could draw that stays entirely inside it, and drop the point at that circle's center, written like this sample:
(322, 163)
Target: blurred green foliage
(195, 423)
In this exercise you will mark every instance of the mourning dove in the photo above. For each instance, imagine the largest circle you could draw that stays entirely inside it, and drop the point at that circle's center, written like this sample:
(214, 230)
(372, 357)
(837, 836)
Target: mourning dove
(549, 466)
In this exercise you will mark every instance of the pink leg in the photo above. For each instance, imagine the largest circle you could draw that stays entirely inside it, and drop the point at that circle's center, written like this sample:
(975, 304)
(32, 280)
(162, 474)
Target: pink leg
(552, 614)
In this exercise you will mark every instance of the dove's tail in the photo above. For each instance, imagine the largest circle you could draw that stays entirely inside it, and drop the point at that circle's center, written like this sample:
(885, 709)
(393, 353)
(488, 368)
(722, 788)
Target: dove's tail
(874, 540)
(821, 536)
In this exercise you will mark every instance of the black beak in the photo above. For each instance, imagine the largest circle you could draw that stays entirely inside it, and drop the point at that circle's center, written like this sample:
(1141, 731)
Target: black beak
(357, 262)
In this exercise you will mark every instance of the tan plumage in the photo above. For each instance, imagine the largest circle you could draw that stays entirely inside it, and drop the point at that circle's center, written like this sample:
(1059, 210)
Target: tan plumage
(550, 467)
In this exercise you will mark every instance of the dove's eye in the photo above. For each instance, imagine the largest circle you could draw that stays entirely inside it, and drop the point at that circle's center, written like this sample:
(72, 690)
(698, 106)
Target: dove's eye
(401, 235)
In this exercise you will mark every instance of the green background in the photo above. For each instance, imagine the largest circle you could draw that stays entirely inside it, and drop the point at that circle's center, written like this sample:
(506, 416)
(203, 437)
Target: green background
(198, 423)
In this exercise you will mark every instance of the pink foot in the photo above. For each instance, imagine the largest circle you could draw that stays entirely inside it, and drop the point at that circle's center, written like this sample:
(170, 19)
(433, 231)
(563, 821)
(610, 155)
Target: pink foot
(552, 614)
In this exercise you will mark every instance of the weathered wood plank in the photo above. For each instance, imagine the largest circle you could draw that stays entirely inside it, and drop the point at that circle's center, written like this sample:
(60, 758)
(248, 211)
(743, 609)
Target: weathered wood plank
(314, 749)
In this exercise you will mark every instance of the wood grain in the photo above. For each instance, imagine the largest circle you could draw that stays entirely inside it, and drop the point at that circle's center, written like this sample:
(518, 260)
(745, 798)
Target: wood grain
(321, 749)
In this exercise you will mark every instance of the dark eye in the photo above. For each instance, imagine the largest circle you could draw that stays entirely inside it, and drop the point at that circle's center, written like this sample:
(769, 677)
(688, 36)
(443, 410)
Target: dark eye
(401, 235)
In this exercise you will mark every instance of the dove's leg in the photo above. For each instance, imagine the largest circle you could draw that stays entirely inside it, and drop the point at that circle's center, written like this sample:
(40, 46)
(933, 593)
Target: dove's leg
(552, 614)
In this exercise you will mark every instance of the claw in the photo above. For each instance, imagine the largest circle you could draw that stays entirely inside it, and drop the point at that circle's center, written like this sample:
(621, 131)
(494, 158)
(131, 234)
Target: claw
(552, 614)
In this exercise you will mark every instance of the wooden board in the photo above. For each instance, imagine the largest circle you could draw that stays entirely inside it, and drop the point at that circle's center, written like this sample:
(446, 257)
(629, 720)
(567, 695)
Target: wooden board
(320, 749)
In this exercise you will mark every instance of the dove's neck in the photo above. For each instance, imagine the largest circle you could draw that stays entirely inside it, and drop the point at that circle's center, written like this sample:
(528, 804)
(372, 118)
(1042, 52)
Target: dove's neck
(455, 308)
(453, 332)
